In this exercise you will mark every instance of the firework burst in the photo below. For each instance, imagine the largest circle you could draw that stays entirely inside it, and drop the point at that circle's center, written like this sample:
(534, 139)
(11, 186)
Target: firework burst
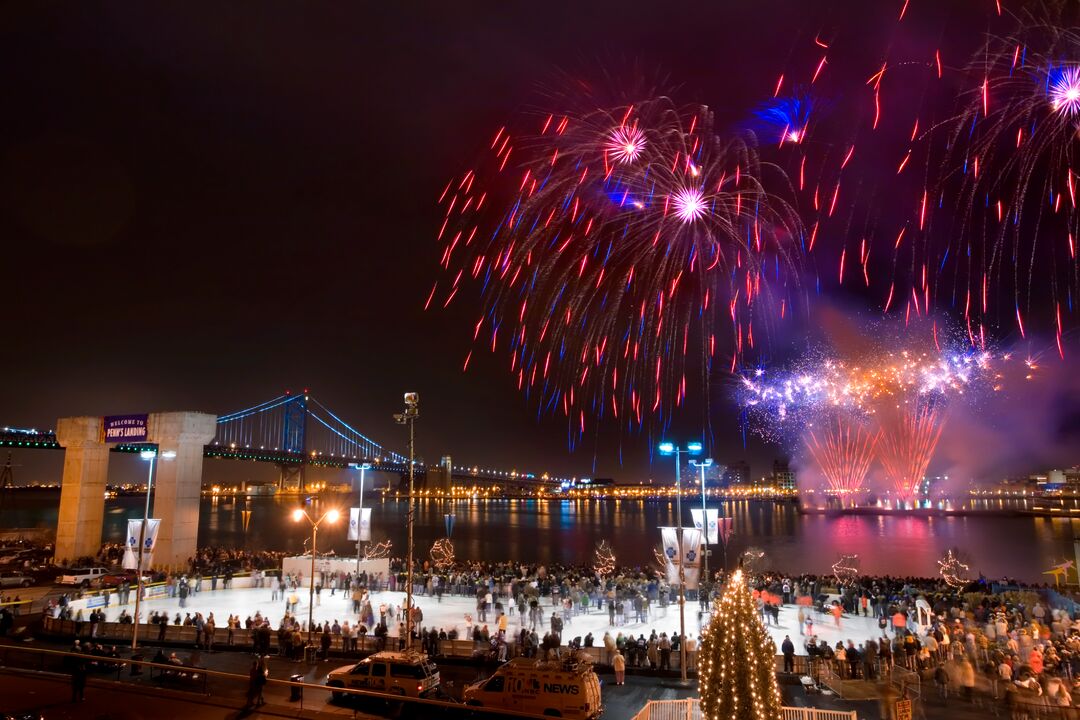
(610, 247)
(1012, 169)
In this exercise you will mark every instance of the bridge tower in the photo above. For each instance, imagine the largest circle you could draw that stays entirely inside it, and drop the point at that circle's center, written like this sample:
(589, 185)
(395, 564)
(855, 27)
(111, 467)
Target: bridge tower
(294, 441)
(180, 438)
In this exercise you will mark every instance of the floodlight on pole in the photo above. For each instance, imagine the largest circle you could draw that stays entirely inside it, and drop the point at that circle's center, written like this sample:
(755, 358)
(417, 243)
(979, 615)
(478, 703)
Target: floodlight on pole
(150, 454)
(692, 448)
(362, 467)
(331, 516)
(702, 464)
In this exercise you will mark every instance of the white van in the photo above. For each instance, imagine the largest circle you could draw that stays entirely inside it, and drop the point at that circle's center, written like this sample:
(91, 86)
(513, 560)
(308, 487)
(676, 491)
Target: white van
(567, 689)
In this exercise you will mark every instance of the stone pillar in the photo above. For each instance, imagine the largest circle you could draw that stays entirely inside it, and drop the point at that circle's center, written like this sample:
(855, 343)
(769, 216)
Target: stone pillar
(82, 493)
(178, 482)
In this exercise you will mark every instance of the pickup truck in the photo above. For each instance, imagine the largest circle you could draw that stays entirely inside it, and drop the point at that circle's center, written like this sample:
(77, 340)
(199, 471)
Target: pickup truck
(82, 577)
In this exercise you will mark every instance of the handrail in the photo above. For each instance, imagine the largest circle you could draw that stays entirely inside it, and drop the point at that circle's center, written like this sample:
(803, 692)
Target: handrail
(121, 663)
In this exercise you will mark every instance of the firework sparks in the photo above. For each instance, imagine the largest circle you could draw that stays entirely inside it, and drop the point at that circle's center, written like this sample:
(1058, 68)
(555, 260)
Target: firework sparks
(843, 453)
(1064, 90)
(910, 434)
(610, 248)
(625, 144)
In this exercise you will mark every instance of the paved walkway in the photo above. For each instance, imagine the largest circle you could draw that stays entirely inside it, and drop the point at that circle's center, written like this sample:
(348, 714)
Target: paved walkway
(460, 613)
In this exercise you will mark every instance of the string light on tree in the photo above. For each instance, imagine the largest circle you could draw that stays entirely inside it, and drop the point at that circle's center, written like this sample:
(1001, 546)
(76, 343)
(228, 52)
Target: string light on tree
(605, 559)
(738, 666)
(952, 570)
(846, 569)
(378, 551)
(442, 554)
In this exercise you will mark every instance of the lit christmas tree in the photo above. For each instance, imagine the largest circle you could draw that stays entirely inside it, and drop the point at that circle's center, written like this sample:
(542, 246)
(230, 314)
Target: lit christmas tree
(738, 660)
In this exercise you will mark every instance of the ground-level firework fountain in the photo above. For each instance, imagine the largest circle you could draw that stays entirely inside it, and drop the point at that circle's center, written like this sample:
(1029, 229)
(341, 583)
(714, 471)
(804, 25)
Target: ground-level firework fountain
(909, 437)
(843, 451)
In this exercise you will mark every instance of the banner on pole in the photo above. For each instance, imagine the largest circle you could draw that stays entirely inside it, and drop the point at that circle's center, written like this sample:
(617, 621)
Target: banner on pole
(131, 561)
(707, 522)
(670, 540)
(691, 555)
(712, 526)
(354, 524)
(365, 524)
(699, 518)
(726, 527)
(448, 520)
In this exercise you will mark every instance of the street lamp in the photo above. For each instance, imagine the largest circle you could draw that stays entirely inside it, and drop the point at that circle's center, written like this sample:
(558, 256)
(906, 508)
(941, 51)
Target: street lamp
(412, 411)
(693, 448)
(362, 467)
(145, 455)
(702, 464)
(330, 516)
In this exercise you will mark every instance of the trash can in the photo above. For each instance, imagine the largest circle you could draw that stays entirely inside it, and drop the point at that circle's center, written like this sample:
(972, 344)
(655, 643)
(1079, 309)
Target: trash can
(311, 654)
(296, 693)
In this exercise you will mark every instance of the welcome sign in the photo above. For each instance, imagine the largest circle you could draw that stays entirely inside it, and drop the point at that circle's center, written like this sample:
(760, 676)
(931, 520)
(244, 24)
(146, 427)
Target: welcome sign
(125, 428)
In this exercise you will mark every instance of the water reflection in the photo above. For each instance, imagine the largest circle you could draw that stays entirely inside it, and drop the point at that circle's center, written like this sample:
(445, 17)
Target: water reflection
(568, 531)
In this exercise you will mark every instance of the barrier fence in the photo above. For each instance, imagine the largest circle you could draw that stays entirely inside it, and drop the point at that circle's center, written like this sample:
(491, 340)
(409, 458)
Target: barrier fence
(242, 639)
(230, 689)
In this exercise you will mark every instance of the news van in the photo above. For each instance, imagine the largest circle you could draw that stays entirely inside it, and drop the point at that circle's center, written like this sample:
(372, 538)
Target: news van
(567, 689)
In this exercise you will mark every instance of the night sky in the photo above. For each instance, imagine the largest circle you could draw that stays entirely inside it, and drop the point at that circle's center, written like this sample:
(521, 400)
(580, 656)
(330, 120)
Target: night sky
(205, 204)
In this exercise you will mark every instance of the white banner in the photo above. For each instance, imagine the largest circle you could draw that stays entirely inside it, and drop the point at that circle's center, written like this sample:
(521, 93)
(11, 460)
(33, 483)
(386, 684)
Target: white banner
(691, 555)
(671, 554)
(135, 531)
(699, 518)
(365, 525)
(707, 523)
(712, 526)
(360, 524)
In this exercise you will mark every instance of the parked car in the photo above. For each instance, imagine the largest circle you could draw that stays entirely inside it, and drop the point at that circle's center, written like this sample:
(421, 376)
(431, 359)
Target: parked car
(398, 673)
(81, 577)
(114, 579)
(15, 579)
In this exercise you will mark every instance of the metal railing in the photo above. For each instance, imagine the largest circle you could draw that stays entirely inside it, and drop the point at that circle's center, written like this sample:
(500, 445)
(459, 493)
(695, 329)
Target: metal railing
(690, 709)
(228, 689)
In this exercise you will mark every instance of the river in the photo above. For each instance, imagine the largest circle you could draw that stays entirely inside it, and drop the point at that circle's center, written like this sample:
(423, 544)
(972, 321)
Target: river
(567, 531)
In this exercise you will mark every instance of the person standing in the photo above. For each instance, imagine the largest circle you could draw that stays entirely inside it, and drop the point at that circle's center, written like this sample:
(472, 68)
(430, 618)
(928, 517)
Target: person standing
(619, 665)
(788, 649)
(78, 679)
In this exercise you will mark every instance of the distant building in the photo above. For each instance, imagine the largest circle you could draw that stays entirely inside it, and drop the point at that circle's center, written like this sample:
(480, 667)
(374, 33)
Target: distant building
(691, 474)
(783, 477)
(737, 473)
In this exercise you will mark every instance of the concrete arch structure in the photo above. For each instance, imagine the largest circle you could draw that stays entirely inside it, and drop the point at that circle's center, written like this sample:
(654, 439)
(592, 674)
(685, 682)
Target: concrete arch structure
(177, 484)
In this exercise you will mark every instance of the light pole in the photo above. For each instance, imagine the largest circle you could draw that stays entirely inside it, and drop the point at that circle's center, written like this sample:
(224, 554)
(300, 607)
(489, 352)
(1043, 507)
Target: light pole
(330, 516)
(361, 467)
(145, 455)
(412, 411)
(702, 464)
(693, 448)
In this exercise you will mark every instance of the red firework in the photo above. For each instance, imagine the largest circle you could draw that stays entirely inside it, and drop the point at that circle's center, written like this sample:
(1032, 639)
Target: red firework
(909, 437)
(843, 453)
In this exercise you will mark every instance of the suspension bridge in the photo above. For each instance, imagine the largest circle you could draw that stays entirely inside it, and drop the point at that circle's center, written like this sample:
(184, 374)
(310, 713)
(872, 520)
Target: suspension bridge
(294, 431)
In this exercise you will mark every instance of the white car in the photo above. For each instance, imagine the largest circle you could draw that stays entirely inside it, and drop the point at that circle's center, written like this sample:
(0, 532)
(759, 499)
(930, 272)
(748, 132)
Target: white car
(399, 673)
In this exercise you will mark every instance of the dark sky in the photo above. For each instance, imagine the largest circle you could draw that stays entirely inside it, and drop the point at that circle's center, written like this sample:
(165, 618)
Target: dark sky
(205, 204)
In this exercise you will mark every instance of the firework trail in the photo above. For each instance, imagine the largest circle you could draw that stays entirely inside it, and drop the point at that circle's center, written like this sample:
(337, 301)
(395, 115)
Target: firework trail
(610, 248)
(844, 452)
(1012, 169)
(909, 436)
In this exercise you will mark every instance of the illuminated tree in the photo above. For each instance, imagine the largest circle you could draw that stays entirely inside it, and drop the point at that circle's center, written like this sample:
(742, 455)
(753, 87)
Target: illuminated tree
(737, 660)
